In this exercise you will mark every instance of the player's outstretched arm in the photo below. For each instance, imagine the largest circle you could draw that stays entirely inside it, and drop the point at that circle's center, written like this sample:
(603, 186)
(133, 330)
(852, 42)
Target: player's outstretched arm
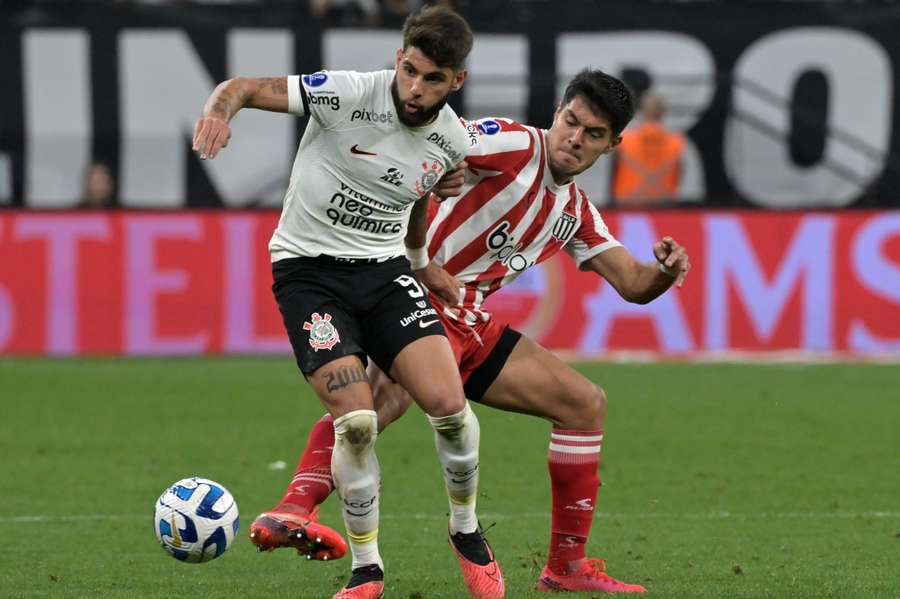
(642, 282)
(212, 132)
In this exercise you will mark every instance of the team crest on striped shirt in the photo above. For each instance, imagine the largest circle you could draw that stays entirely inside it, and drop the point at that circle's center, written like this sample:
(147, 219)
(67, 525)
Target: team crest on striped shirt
(563, 227)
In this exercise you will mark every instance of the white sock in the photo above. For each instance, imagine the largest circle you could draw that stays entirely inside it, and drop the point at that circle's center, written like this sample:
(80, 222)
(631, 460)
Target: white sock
(356, 475)
(456, 438)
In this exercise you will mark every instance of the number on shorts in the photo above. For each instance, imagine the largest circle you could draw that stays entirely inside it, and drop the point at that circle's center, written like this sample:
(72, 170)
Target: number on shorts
(415, 290)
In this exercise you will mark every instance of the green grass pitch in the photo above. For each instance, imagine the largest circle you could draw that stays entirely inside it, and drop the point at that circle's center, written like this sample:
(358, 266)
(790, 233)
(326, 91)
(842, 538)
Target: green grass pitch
(719, 481)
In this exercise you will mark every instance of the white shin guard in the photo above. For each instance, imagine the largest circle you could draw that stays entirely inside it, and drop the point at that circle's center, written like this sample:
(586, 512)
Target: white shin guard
(456, 438)
(356, 475)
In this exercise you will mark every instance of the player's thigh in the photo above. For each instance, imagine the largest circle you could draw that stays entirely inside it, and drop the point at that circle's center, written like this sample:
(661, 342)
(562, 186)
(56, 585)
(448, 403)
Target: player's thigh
(391, 400)
(534, 381)
(343, 386)
(312, 305)
(405, 338)
(427, 369)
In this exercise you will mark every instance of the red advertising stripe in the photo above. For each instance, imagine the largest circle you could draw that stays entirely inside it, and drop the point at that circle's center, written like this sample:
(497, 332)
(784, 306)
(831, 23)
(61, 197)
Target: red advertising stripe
(138, 283)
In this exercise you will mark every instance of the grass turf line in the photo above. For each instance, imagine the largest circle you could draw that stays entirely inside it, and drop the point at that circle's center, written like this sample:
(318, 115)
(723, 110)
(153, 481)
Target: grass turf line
(719, 480)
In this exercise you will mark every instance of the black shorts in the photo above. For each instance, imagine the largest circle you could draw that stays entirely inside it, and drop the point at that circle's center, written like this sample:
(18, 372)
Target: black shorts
(333, 308)
(482, 376)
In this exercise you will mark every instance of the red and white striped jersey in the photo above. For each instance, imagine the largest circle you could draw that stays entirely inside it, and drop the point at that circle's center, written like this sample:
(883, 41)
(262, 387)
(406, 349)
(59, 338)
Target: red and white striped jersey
(510, 215)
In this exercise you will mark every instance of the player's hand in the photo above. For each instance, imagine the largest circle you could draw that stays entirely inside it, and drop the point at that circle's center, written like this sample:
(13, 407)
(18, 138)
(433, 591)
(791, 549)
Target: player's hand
(451, 184)
(674, 257)
(441, 283)
(211, 134)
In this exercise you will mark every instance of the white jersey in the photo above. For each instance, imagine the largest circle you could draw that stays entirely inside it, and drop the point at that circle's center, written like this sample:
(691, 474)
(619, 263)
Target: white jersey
(510, 216)
(358, 169)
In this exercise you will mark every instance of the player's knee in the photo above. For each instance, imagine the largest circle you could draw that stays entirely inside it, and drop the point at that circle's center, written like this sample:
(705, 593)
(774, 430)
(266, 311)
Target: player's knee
(445, 401)
(391, 405)
(586, 409)
(597, 406)
(454, 426)
(356, 431)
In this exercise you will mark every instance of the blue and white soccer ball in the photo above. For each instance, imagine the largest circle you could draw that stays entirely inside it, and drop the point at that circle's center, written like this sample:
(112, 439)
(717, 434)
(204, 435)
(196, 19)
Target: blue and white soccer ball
(196, 520)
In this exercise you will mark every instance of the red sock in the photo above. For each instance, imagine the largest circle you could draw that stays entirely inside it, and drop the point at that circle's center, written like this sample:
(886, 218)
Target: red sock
(312, 482)
(573, 461)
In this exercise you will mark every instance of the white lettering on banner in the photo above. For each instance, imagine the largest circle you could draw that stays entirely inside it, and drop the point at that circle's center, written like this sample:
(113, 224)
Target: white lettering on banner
(62, 234)
(240, 292)
(143, 282)
(58, 128)
(498, 82)
(258, 171)
(358, 50)
(731, 262)
(163, 85)
(878, 274)
(665, 312)
(682, 71)
(7, 308)
(759, 163)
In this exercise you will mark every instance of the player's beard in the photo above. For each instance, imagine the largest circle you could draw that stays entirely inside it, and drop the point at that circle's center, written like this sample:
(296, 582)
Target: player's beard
(422, 117)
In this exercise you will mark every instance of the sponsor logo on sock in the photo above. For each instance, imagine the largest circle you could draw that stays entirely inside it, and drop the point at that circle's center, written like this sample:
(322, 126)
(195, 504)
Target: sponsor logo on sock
(570, 543)
(462, 476)
(582, 505)
(368, 505)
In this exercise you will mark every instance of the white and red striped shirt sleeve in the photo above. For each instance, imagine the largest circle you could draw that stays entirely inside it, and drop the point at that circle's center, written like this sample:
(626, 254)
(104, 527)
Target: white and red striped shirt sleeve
(592, 237)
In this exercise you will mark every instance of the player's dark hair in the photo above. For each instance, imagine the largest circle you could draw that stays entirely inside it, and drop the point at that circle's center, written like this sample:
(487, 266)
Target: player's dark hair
(441, 34)
(606, 93)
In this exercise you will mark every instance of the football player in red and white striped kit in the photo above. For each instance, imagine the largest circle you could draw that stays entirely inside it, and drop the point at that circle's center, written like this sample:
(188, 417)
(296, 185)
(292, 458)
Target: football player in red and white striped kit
(519, 205)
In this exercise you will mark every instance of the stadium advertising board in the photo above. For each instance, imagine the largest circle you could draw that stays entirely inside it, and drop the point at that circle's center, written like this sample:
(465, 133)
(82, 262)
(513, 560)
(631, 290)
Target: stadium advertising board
(767, 94)
(139, 283)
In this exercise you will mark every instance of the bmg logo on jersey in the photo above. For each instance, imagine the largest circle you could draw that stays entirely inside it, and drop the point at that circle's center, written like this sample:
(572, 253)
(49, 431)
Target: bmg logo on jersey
(316, 79)
(327, 99)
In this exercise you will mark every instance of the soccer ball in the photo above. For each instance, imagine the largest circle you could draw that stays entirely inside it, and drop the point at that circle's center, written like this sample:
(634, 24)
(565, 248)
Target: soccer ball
(196, 520)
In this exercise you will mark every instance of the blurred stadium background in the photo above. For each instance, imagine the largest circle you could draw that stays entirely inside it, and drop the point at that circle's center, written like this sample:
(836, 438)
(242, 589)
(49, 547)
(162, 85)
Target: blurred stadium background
(787, 195)
(116, 241)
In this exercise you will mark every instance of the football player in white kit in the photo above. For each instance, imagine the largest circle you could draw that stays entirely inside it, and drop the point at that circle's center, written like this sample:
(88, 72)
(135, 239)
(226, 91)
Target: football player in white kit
(519, 206)
(375, 144)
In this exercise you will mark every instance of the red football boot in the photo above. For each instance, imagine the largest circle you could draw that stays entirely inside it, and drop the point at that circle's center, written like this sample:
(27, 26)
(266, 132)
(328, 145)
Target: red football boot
(366, 582)
(301, 531)
(479, 568)
(589, 576)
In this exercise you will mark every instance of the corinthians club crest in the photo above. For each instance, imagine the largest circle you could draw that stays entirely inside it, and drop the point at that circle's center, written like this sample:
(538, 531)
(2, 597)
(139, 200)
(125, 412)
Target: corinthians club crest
(322, 334)
(432, 172)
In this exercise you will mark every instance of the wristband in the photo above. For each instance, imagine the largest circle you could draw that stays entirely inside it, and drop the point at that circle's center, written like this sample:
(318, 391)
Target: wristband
(665, 269)
(418, 257)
